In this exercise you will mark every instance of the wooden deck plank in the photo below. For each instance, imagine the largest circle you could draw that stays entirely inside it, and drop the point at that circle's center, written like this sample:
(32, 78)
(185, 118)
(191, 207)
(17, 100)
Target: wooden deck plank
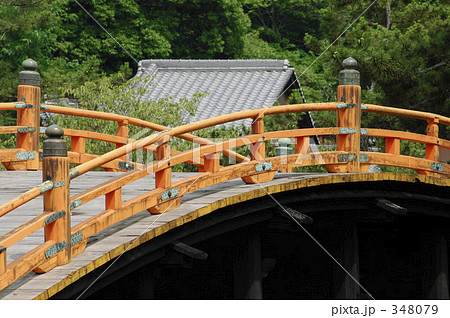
(103, 241)
(110, 242)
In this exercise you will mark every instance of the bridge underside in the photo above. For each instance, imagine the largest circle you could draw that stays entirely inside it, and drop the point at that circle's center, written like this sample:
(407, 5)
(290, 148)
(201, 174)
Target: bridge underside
(390, 236)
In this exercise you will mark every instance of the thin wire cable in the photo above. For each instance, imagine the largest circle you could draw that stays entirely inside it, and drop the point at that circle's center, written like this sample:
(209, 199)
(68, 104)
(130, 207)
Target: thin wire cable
(312, 237)
(317, 58)
(315, 240)
(118, 257)
(145, 70)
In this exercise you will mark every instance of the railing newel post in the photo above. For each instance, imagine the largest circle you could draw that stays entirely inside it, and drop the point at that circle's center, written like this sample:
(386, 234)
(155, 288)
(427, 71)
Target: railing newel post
(29, 92)
(348, 117)
(55, 168)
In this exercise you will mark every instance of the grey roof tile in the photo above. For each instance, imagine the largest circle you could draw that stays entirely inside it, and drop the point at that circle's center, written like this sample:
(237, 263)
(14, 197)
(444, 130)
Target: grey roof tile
(232, 85)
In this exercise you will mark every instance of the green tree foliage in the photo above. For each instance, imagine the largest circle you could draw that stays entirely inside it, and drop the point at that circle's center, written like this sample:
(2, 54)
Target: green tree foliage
(402, 53)
(400, 45)
(284, 22)
(137, 30)
(123, 33)
(200, 28)
(26, 29)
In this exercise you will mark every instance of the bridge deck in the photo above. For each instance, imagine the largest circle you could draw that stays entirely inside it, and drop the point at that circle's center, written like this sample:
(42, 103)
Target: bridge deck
(108, 243)
(142, 227)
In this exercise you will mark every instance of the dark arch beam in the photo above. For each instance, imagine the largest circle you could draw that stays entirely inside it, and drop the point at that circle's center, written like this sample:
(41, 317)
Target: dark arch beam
(309, 200)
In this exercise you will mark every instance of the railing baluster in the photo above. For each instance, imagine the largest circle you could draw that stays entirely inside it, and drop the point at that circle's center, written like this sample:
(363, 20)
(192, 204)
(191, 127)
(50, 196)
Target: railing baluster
(301, 145)
(431, 150)
(113, 199)
(163, 178)
(3, 263)
(392, 145)
(211, 162)
(258, 153)
(78, 144)
(171, 198)
(122, 131)
(258, 149)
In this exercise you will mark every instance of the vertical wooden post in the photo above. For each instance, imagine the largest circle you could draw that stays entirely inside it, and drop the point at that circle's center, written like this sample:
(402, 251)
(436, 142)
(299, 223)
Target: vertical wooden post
(146, 283)
(349, 115)
(434, 259)
(432, 151)
(345, 250)
(163, 178)
(247, 267)
(392, 145)
(113, 199)
(258, 153)
(301, 145)
(258, 149)
(78, 145)
(3, 263)
(211, 162)
(122, 131)
(55, 168)
(28, 114)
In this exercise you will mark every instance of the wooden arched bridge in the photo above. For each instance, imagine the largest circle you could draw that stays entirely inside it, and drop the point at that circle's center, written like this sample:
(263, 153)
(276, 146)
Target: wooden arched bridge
(75, 232)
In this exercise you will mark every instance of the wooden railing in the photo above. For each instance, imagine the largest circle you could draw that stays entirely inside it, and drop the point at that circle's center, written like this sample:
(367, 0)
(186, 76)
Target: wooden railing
(63, 242)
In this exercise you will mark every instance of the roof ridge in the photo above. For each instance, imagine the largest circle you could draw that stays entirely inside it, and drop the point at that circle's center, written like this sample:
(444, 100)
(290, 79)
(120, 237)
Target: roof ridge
(217, 64)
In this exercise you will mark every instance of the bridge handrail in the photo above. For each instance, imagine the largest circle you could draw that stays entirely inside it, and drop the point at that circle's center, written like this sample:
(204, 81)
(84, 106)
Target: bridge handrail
(395, 111)
(8, 106)
(347, 157)
(122, 120)
(186, 129)
(128, 120)
(205, 123)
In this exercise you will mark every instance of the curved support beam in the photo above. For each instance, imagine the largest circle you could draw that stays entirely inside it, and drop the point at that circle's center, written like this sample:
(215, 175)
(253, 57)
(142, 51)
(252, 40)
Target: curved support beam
(390, 206)
(188, 251)
(292, 214)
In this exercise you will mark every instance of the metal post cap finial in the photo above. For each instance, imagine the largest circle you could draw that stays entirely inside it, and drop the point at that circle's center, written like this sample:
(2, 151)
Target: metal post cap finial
(349, 76)
(30, 76)
(30, 65)
(54, 146)
(54, 132)
(349, 62)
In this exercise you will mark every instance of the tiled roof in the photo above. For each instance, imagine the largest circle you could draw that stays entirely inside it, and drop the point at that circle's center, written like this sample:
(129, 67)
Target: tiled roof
(232, 85)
